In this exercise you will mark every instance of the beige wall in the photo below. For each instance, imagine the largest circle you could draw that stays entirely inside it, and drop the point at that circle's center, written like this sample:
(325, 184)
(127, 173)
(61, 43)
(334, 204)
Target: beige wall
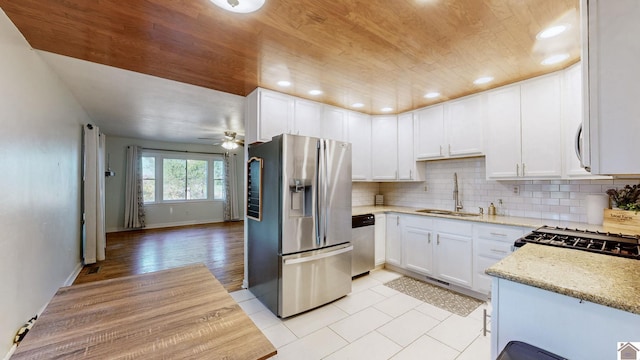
(40, 152)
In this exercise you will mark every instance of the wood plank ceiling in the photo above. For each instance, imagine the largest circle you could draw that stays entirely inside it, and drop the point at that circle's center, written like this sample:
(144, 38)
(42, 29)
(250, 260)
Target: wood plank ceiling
(380, 53)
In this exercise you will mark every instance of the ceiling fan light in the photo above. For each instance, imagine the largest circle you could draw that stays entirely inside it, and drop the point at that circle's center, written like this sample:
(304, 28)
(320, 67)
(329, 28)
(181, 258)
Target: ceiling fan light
(229, 145)
(239, 6)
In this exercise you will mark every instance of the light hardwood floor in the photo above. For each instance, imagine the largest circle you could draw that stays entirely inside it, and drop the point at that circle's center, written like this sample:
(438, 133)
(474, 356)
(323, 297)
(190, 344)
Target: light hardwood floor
(219, 246)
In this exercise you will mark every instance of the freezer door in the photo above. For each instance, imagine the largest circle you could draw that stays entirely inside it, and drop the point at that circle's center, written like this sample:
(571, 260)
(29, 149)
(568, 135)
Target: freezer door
(314, 278)
(299, 194)
(336, 202)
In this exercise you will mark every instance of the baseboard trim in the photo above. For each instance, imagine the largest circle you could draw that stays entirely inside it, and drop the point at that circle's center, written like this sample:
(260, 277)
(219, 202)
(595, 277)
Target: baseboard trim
(170, 224)
(74, 274)
(11, 351)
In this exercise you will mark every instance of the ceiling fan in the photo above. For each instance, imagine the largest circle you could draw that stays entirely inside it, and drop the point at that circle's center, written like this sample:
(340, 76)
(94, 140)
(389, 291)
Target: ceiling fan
(230, 141)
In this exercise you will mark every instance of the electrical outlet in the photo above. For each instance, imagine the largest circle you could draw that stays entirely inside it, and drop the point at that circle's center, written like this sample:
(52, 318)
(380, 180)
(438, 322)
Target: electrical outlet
(516, 190)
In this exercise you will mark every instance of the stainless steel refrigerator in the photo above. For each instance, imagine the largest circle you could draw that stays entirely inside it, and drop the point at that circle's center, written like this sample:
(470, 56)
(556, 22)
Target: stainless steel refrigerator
(299, 222)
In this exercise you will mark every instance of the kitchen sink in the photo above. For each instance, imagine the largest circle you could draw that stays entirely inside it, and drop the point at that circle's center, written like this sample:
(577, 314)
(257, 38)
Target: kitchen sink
(446, 212)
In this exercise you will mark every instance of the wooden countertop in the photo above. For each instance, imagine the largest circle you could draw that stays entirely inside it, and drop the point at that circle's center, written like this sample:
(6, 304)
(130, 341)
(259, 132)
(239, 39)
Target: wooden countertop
(172, 314)
(602, 279)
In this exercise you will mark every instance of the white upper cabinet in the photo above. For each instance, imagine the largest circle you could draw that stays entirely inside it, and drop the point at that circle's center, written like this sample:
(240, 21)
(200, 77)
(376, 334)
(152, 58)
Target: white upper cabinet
(429, 128)
(503, 128)
(464, 121)
(610, 63)
(571, 122)
(269, 113)
(307, 118)
(334, 123)
(452, 129)
(384, 150)
(541, 127)
(524, 127)
(572, 119)
(359, 126)
(406, 159)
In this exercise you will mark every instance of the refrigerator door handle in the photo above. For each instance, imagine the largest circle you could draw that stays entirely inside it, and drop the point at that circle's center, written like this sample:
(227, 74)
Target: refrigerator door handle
(317, 197)
(317, 257)
(325, 185)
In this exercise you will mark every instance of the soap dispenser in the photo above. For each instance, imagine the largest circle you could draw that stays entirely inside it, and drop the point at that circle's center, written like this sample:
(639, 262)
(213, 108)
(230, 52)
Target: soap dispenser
(492, 209)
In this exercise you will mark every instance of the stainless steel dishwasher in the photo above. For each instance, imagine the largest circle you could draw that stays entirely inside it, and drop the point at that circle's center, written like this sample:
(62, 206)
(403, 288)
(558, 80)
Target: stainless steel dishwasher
(362, 239)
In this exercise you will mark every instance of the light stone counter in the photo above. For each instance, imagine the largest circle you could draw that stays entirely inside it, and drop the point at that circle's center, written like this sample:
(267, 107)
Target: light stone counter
(602, 279)
(491, 219)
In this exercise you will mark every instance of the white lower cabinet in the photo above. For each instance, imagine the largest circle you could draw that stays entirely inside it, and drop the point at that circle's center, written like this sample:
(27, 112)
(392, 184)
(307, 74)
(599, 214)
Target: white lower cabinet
(453, 252)
(566, 326)
(393, 253)
(379, 236)
(417, 234)
(438, 248)
(491, 243)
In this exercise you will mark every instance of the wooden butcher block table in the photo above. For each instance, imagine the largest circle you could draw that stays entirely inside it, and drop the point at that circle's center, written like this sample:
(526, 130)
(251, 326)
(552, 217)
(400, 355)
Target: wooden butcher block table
(181, 313)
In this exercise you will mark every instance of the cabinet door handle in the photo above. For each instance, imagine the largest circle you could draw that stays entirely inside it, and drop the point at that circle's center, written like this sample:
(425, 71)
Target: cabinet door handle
(497, 234)
(523, 169)
(397, 220)
(438, 239)
(484, 322)
(449, 153)
(498, 251)
(410, 174)
(440, 150)
(429, 238)
(517, 169)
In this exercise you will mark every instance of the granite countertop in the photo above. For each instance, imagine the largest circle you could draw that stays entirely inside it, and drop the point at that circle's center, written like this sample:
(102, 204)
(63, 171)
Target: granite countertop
(602, 279)
(490, 219)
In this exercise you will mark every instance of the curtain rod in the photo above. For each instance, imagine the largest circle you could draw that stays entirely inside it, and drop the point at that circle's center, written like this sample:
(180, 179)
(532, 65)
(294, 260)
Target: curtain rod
(185, 151)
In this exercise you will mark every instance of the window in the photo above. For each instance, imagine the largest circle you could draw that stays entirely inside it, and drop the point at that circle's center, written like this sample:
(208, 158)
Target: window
(149, 179)
(174, 177)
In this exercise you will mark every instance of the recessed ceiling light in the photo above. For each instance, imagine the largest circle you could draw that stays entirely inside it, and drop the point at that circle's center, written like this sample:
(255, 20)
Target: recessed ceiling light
(551, 31)
(432, 95)
(483, 80)
(315, 92)
(239, 6)
(357, 105)
(554, 59)
(386, 109)
(284, 83)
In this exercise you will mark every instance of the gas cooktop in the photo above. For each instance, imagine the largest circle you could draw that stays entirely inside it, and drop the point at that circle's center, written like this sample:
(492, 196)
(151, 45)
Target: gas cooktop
(622, 245)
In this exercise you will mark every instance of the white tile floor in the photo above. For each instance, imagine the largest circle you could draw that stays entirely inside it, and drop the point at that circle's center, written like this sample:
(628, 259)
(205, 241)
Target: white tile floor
(372, 322)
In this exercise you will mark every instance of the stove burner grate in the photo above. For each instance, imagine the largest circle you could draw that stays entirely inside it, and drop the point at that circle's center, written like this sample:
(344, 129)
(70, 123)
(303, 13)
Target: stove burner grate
(627, 246)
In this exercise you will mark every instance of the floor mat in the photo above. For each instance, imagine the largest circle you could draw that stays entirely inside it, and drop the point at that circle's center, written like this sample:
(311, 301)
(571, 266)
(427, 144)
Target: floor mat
(435, 295)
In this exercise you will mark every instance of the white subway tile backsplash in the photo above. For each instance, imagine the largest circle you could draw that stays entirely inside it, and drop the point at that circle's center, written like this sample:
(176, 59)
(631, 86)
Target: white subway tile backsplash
(542, 199)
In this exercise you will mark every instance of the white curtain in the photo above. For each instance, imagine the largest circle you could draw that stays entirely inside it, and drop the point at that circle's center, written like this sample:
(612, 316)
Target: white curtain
(94, 238)
(134, 216)
(231, 210)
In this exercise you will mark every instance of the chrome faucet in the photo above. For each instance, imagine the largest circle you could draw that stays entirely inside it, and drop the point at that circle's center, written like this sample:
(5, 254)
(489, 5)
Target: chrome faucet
(458, 203)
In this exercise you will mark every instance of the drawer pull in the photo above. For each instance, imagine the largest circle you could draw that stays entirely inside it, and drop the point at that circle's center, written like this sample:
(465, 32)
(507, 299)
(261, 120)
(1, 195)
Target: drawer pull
(498, 251)
(497, 234)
